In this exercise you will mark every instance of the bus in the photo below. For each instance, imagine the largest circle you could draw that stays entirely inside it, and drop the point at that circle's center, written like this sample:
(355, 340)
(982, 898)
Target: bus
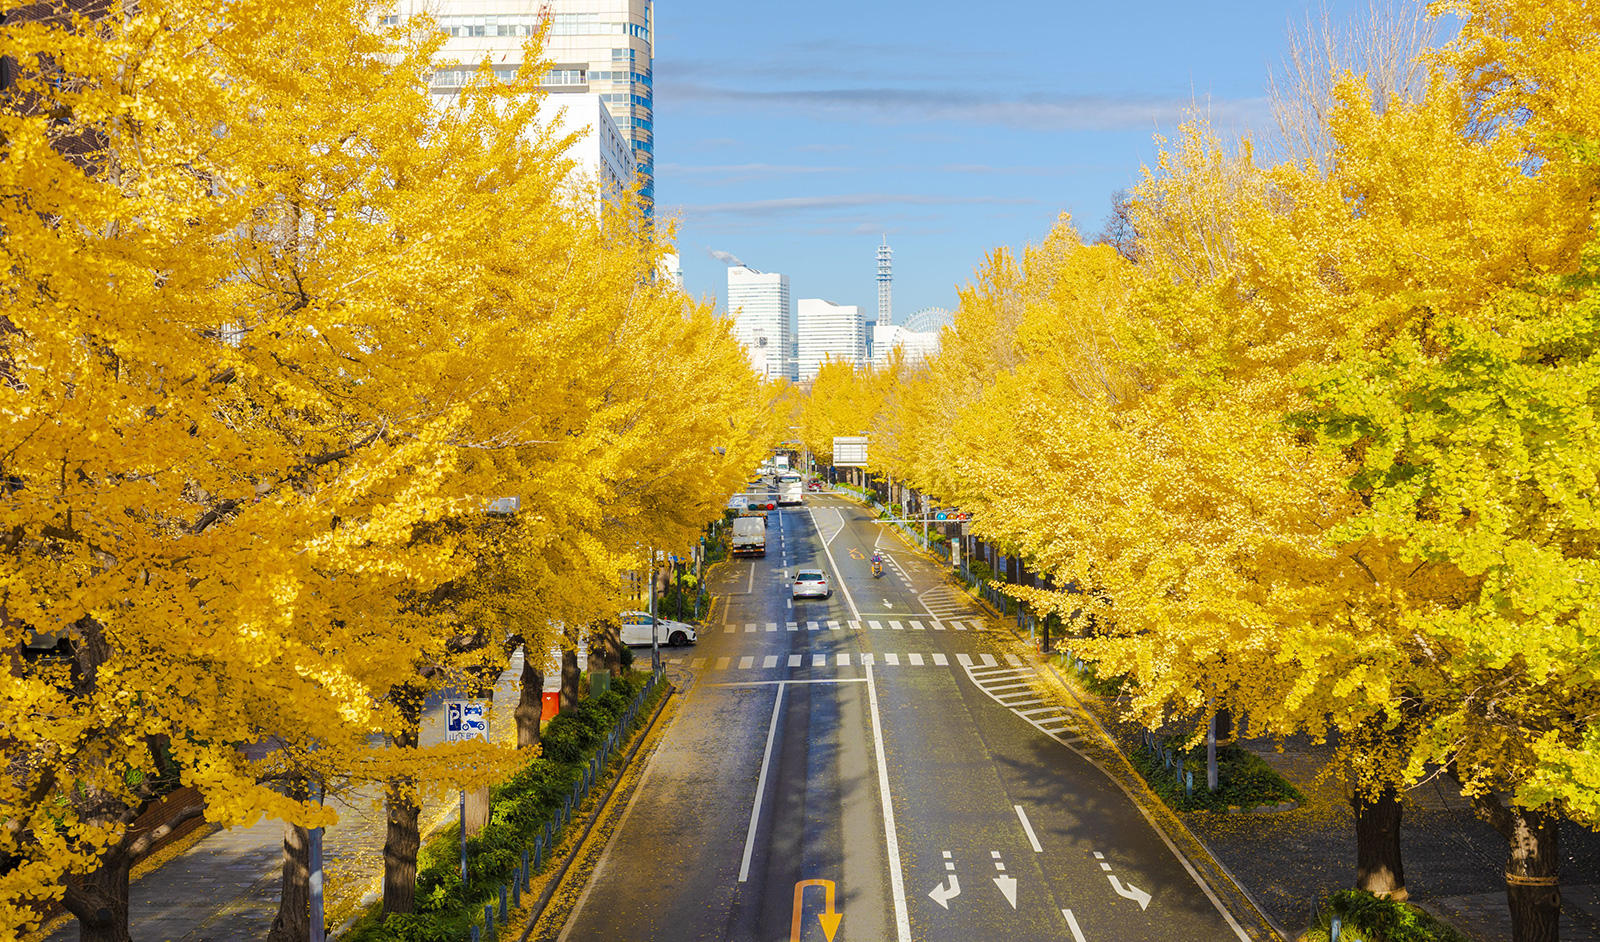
(790, 490)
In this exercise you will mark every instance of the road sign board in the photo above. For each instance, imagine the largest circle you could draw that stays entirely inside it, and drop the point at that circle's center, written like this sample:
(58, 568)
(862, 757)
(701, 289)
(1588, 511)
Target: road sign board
(465, 719)
(849, 451)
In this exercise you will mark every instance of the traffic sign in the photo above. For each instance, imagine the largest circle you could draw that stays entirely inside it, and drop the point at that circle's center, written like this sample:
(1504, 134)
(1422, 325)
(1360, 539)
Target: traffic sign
(464, 719)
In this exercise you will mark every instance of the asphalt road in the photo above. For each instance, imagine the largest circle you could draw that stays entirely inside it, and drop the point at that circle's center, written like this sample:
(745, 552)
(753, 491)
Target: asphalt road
(876, 765)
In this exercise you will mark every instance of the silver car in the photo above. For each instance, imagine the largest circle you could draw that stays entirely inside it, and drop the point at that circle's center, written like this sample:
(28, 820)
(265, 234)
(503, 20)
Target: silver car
(811, 584)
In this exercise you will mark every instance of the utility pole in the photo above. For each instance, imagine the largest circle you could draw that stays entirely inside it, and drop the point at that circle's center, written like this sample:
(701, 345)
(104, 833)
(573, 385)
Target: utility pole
(655, 629)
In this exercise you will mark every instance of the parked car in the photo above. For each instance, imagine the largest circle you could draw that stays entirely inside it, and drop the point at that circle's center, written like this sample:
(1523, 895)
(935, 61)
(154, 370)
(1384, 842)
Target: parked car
(811, 584)
(636, 630)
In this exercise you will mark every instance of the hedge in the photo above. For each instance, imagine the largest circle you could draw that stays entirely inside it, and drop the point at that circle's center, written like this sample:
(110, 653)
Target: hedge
(1368, 918)
(1243, 778)
(532, 799)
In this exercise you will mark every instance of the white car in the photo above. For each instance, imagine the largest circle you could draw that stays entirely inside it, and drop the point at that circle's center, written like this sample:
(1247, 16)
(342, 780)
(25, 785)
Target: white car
(636, 630)
(811, 584)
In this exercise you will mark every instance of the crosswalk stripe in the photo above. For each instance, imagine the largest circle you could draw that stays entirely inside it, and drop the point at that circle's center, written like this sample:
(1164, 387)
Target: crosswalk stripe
(812, 626)
(772, 626)
(988, 660)
(794, 660)
(843, 659)
(770, 660)
(819, 660)
(1046, 709)
(730, 629)
(697, 662)
(674, 660)
(938, 626)
(917, 626)
(1013, 660)
(791, 626)
(997, 671)
(866, 659)
(915, 659)
(855, 626)
(897, 626)
(833, 625)
(958, 626)
(722, 663)
(874, 626)
(1023, 703)
(1050, 725)
(941, 661)
(963, 660)
(745, 663)
(750, 628)
(893, 660)
(993, 687)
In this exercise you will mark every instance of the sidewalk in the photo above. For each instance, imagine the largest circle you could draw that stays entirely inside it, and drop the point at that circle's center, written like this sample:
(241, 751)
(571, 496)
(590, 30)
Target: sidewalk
(226, 886)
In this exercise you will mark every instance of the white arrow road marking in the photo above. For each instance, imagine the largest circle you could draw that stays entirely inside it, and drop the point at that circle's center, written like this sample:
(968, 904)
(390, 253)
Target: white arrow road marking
(1077, 934)
(1008, 886)
(943, 896)
(1130, 892)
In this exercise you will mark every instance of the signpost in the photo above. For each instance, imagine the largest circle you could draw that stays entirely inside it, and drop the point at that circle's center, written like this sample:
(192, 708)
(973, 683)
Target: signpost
(464, 720)
(850, 451)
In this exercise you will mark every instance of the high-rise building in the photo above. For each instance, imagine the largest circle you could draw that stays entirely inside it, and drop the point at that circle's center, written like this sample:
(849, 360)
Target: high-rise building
(828, 331)
(885, 284)
(601, 47)
(759, 303)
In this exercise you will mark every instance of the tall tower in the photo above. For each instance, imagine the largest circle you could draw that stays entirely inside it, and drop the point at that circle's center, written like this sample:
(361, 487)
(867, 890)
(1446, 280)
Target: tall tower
(885, 284)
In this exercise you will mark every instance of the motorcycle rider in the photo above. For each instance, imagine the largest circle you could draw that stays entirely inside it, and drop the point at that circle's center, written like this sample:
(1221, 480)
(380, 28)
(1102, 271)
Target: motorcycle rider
(877, 564)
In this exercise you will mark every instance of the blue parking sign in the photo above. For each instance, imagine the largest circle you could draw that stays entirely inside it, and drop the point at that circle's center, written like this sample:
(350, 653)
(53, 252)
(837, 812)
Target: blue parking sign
(465, 719)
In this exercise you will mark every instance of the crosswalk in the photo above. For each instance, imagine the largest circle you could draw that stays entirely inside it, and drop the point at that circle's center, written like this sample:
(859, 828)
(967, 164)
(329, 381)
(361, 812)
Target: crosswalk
(904, 623)
(838, 659)
(1012, 685)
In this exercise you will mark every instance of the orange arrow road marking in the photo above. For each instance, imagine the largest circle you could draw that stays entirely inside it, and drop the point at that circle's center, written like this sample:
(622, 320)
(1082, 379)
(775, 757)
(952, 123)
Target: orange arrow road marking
(829, 919)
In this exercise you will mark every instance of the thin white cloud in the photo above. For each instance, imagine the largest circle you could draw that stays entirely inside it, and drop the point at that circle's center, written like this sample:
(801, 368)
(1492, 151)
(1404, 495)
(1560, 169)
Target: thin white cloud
(799, 204)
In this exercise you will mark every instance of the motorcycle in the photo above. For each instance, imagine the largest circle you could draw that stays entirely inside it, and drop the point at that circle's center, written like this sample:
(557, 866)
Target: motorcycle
(877, 569)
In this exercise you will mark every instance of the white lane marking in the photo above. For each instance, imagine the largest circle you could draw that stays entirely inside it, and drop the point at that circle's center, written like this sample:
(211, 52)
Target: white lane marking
(751, 585)
(843, 659)
(833, 625)
(897, 626)
(866, 659)
(1033, 839)
(941, 660)
(1000, 671)
(916, 659)
(1077, 934)
(855, 626)
(788, 603)
(917, 626)
(993, 687)
(897, 882)
(791, 626)
(963, 660)
(1043, 709)
(893, 660)
(988, 660)
(722, 663)
(1013, 660)
(812, 626)
(697, 662)
(745, 663)
(761, 786)
(769, 661)
(835, 566)
(794, 660)
(819, 660)
(958, 626)
(730, 629)
(875, 626)
(938, 626)
(772, 626)
(749, 629)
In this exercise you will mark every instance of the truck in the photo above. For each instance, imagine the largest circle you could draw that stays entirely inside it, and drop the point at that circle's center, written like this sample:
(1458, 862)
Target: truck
(750, 535)
(790, 490)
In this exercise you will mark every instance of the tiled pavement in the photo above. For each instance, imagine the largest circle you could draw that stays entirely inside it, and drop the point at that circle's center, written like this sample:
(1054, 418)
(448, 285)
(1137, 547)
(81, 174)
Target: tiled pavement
(1485, 917)
(225, 888)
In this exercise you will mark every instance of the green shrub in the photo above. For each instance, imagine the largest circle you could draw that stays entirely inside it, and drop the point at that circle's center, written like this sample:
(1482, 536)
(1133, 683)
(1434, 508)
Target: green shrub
(1369, 918)
(1243, 778)
(980, 570)
(521, 806)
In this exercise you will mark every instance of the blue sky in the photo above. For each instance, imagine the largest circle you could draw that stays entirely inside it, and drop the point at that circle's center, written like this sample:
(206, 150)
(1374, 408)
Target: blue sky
(793, 135)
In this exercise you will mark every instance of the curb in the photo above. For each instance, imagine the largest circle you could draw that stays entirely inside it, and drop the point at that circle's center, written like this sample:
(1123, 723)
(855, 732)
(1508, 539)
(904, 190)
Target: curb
(556, 879)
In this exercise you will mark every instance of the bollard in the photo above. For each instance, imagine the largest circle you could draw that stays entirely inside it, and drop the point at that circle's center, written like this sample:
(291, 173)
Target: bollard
(526, 873)
(516, 887)
(474, 934)
(488, 921)
(1188, 784)
(502, 902)
(538, 850)
(1334, 929)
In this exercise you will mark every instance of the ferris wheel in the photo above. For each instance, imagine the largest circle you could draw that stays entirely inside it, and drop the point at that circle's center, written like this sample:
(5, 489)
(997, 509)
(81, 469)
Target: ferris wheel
(929, 320)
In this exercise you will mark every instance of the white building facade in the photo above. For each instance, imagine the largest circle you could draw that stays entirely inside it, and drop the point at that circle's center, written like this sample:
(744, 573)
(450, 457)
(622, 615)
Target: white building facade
(916, 346)
(758, 302)
(600, 48)
(828, 331)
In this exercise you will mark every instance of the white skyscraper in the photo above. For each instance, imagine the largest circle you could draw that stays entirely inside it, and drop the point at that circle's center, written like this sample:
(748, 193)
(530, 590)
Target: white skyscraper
(831, 331)
(759, 303)
(601, 47)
